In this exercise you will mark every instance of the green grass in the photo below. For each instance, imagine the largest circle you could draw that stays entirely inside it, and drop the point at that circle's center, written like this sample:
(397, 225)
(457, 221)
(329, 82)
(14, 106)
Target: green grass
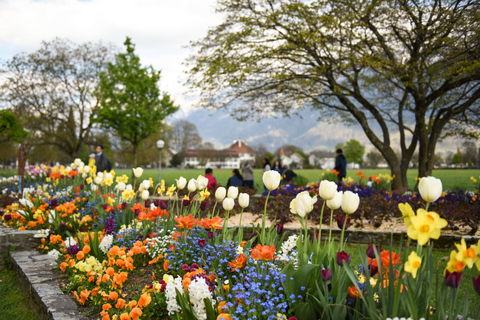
(14, 302)
(466, 285)
(452, 179)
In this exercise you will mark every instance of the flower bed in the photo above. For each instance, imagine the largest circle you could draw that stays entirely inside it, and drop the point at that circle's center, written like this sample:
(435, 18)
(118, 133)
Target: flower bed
(186, 263)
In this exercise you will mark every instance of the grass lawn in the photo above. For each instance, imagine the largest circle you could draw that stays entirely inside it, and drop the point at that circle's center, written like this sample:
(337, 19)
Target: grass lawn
(466, 285)
(452, 179)
(14, 302)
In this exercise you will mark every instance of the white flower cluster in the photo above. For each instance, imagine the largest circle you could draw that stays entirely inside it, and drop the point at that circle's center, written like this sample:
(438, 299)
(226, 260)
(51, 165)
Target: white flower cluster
(42, 233)
(160, 244)
(54, 253)
(403, 318)
(198, 290)
(287, 252)
(171, 295)
(106, 243)
(70, 241)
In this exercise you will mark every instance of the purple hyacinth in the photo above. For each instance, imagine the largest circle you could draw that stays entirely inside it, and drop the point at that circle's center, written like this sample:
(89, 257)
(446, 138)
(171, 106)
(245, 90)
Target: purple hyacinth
(73, 250)
(110, 225)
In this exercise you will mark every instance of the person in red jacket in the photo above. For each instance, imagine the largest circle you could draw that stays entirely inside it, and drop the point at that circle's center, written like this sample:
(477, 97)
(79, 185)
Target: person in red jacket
(212, 182)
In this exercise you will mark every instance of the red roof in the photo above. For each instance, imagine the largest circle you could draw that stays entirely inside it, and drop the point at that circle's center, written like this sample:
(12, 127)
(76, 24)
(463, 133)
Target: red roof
(241, 147)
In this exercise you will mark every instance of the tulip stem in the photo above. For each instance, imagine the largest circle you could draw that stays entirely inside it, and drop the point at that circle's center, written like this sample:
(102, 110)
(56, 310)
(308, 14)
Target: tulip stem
(331, 221)
(214, 206)
(426, 207)
(262, 238)
(343, 232)
(320, 224)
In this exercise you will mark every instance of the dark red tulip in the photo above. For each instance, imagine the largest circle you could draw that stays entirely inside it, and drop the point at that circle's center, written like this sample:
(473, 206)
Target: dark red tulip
(202, 242)
(279, 228)
(371, 252)
(476, 284)
(452, 279)
(124, 205)
(203, 205)
(163, 205)
(211, 235)
(147, 203)
(326, 274)
(341, 221)
(342, 257)
(186, 203)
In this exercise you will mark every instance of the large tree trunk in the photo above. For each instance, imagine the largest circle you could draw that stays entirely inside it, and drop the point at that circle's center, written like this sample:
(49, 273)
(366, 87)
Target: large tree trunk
(22, 156)
(134, 162)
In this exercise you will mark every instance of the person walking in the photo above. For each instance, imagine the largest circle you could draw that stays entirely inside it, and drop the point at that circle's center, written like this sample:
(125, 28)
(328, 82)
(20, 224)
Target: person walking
(236, 180)
(212, 182)
(341, 165)
(288, 175)
(101, 160)
(247, 173)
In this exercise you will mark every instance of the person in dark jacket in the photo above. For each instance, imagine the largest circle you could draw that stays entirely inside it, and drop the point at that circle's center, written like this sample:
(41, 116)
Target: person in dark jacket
(247, 173)
(341, 165)
(236, 180)
(288, 175)
(101, 161)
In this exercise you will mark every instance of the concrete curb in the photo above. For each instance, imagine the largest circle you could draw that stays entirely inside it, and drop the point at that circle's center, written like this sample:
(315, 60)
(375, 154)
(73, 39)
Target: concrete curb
(38, 278)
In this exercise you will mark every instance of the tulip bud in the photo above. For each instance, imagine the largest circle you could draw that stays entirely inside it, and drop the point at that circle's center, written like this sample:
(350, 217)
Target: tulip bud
(271, 179)
(181, 183)
(243, 200)
(326, 274)
(145, 194)
(77, 162)
(232, 192)
(121, 186)
(220, 193)
(228, 204)
(98, 180)
(350, 202)
(342, 257)
(430, 188)
(201, 183)
(100, 174)
(138, 172)
(191, 185)
(86, 169)
(336, 202)
(146, 184)
(327, 189)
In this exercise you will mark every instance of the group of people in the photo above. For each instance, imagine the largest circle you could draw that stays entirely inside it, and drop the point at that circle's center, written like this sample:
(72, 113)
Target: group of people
(244, 179)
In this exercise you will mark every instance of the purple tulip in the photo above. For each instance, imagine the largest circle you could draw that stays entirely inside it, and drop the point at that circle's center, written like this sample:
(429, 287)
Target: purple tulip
(326, 274)
(211, 235)
(279, 228)
(476, 284)
(186, 203)
(452, 279)
(156, 203)
(341, 221)
(148, 203)
(203, 205)
(124, 205)
(371, 252)
(104, 206)
(202, 242)
(163, 205)
(342, 257)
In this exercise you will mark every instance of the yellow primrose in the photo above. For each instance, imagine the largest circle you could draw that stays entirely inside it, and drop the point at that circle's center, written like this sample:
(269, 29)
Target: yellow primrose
(407, 213)
(464, 254)
(413, 264)
(425, 225)
(171, 190)
(454, 265)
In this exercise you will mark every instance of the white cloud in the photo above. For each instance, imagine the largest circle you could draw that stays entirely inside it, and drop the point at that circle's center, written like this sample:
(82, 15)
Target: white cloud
(160, 29)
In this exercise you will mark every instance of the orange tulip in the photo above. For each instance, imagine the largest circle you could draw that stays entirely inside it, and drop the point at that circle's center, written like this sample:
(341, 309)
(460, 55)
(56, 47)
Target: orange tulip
(238, 263)
(385, 257)
(187, 222)
(263, 252)
(353, 292)
(215, 223)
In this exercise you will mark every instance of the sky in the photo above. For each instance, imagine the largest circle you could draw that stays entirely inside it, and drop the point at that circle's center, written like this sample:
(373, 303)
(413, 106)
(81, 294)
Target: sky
(160, 29)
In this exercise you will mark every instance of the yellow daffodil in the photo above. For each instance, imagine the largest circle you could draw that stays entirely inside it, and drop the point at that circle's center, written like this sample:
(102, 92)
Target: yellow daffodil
(425, 226)
(476, 247)
(89, 180)
(161, 190)
(204, 194)
(464, 254)
(127, 194)
(454, 265)
(171, 190)
(413, 264)
(407, 213)
(107, 181)
(186, 197)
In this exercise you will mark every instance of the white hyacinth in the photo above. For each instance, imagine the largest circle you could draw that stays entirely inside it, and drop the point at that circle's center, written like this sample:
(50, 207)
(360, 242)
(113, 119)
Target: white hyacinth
(171, 295)
(106, 243)
(70, 241)
(199, 290)
(43, 233)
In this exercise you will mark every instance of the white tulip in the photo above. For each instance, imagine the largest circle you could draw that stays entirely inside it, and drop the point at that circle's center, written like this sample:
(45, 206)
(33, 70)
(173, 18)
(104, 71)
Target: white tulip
(146, 184)
(98, 180)
(181, 183)
(327, 189)
(86, 169)
(350, 202)
(138, 172)
(100, 174)
(84, 175)
(191, 185)
(243, 200)
(121, 186)
(302, 204)
(129, 187)
(336, 202)
(68, 169)
(81, 165)
(271, 179)
(228, 204)
(145, 194)
(430, 188)
(220, 193)
(108, 176)
(77, 162)
(94, 187)
(201, 183)
(232, 192)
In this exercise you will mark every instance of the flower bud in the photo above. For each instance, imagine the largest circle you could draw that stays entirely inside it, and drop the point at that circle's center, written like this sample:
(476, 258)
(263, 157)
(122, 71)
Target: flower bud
(336, 202)
(121, 186)
(98, 180)
(430, 188)
(220, 193)
(201, 183)
(228, 204)
(181, 183)
(327, 189)
(191, 185)
(138, 172)
(145, 194)
(350, 202)
(243, 200)
(232, 192)
(271, 179)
